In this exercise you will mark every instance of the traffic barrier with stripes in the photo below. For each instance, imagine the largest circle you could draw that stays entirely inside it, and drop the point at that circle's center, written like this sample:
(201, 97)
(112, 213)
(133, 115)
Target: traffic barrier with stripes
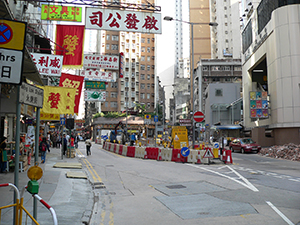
(120, 149)
(117, 148)
(166, 154)
(192, 157)
(131, 151)
(152, 153)
(228, 157)
(139, 152)
(177, 157)
(124, 152)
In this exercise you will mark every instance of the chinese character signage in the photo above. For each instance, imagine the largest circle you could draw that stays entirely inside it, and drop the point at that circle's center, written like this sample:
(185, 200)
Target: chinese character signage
(72, 81)
(58, 100)
(95, 85)
(123, 20)
(101, 62)
(49, 116)
(48, 64)
(61, 13)
(121, 72)
(259, 104)
(31, 95)
(71, 38)
(97, 75)
(95, 96)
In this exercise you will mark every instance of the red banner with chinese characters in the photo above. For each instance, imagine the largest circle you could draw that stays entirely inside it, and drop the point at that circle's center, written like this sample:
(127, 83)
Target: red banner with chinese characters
(72, 39)
(72, 81)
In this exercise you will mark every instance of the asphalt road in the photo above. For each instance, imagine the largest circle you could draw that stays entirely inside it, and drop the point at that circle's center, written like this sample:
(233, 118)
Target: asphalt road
(254, 190)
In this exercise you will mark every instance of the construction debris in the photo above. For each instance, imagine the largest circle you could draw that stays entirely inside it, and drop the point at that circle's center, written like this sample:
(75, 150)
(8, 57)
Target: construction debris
(288, 151)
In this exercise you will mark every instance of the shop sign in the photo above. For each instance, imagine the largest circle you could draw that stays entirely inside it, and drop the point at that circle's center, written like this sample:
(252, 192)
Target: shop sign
(61, 13)
(95, 85)
(101, 62)
(95, 96)
(123, 20)
(49, 65)
(97, 75)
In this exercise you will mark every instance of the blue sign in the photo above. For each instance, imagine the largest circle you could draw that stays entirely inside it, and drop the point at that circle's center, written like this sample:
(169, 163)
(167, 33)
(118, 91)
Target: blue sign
(105, 137)
(216, 145)
(62, 121)
(185, 152)
(155, 118)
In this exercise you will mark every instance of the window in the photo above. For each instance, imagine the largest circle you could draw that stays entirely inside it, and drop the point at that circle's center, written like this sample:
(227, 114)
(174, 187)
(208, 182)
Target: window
(218, 92)
(143, 49)
(226, 24)
(107, 46)
(148, 68)
(148, 50)
(143, 40)
(107, 37)
(142, 67)
(142, 58)
(148, 86)
(148, 96)
(142, 76)
(142, 86)
(106, 104)
(114, 85)
(148, 40)
(226, 32)
(115, 37)
(114, 104)
(148, 105)
(227, 68)
(215, 68)
(113, 94)
(204, 68)
(142, 95)
(114, 47)
(148, 58)
(148, 76)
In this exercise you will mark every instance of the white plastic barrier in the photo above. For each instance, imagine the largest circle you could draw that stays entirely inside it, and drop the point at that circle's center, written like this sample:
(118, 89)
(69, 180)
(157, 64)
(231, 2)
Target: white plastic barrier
(166, 154)
(111, 147)
(193, 156)
(117, 148)
(203, 160)
(124, 152)
(140, 152)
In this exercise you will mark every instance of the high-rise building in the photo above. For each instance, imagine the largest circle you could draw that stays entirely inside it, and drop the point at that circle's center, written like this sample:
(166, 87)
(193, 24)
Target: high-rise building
(138, 83)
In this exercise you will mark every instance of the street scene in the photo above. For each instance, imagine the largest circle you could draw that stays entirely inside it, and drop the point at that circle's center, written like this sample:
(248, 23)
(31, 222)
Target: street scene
(149, 112)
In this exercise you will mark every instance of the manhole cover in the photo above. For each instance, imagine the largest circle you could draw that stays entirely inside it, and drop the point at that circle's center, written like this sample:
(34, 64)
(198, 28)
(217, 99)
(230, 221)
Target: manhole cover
(109, 166)
(176, 186)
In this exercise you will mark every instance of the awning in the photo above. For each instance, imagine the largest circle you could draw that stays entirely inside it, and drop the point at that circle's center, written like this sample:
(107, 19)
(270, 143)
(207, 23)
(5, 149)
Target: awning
(227, 127)
(29, 69)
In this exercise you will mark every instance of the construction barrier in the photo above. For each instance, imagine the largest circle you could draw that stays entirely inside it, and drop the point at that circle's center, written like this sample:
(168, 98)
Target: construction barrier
(131, 151)
(139, 152)
(120, 149)
(152, 153)
(116, 149)
(124, 152)
(166, 154)
(192, 157)
(228, 157)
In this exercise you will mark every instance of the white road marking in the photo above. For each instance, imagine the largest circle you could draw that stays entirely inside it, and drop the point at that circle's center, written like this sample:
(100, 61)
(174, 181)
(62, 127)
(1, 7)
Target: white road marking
(280, 213)
(247, 184)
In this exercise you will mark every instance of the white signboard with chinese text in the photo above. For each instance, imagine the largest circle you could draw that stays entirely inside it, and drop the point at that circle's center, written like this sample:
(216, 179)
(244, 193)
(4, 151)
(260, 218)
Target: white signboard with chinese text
(95, 96)
(123, 20)
(97, 75)
(11, 62)
(31, 95)
(47, 64)
(101, 62)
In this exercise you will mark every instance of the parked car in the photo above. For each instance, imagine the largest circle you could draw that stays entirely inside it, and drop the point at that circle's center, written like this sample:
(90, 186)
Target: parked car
(244, 145)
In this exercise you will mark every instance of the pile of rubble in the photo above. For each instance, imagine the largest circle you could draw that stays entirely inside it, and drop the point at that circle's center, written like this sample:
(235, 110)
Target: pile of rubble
(288, 151)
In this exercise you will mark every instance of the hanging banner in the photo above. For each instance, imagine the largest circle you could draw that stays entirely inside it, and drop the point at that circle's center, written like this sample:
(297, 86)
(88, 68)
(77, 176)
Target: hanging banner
(71, 38)
(61, 13)
(30, 135)
(101, 62)
(123, 20)
(97, 75)
(72, 81)
(58, 100)
(95, 96)
(47, 64)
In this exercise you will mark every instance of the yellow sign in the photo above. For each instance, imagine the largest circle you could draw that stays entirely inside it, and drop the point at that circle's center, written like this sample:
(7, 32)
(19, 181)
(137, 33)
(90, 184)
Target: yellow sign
(12, 34)
(147, 116)
(180, 137)
(49, 116)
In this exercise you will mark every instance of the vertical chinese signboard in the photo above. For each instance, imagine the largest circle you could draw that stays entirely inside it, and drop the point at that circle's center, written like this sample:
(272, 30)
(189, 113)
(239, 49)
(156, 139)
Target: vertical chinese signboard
(259, 107)
(122, 20)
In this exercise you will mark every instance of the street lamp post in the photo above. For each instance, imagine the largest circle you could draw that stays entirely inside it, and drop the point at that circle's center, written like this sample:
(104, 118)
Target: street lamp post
(169, 18)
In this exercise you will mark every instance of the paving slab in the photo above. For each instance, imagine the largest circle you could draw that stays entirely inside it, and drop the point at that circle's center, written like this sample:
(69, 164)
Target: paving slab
(79, 174)
(68, 165)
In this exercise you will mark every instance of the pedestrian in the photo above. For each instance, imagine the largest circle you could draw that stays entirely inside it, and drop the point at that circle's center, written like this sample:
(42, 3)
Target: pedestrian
(58, 141)
(3, 155)
(65, 144)
(88, 145)
(132, 139)
(76, 140)
(43, 147)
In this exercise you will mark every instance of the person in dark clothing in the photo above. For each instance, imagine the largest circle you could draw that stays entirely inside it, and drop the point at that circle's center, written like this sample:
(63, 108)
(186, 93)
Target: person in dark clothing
(3, 156)
(65, 144)
(44, 147)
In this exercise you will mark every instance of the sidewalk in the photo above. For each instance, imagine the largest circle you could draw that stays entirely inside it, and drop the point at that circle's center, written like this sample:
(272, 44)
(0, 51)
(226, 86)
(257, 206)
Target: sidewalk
(72, 199)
